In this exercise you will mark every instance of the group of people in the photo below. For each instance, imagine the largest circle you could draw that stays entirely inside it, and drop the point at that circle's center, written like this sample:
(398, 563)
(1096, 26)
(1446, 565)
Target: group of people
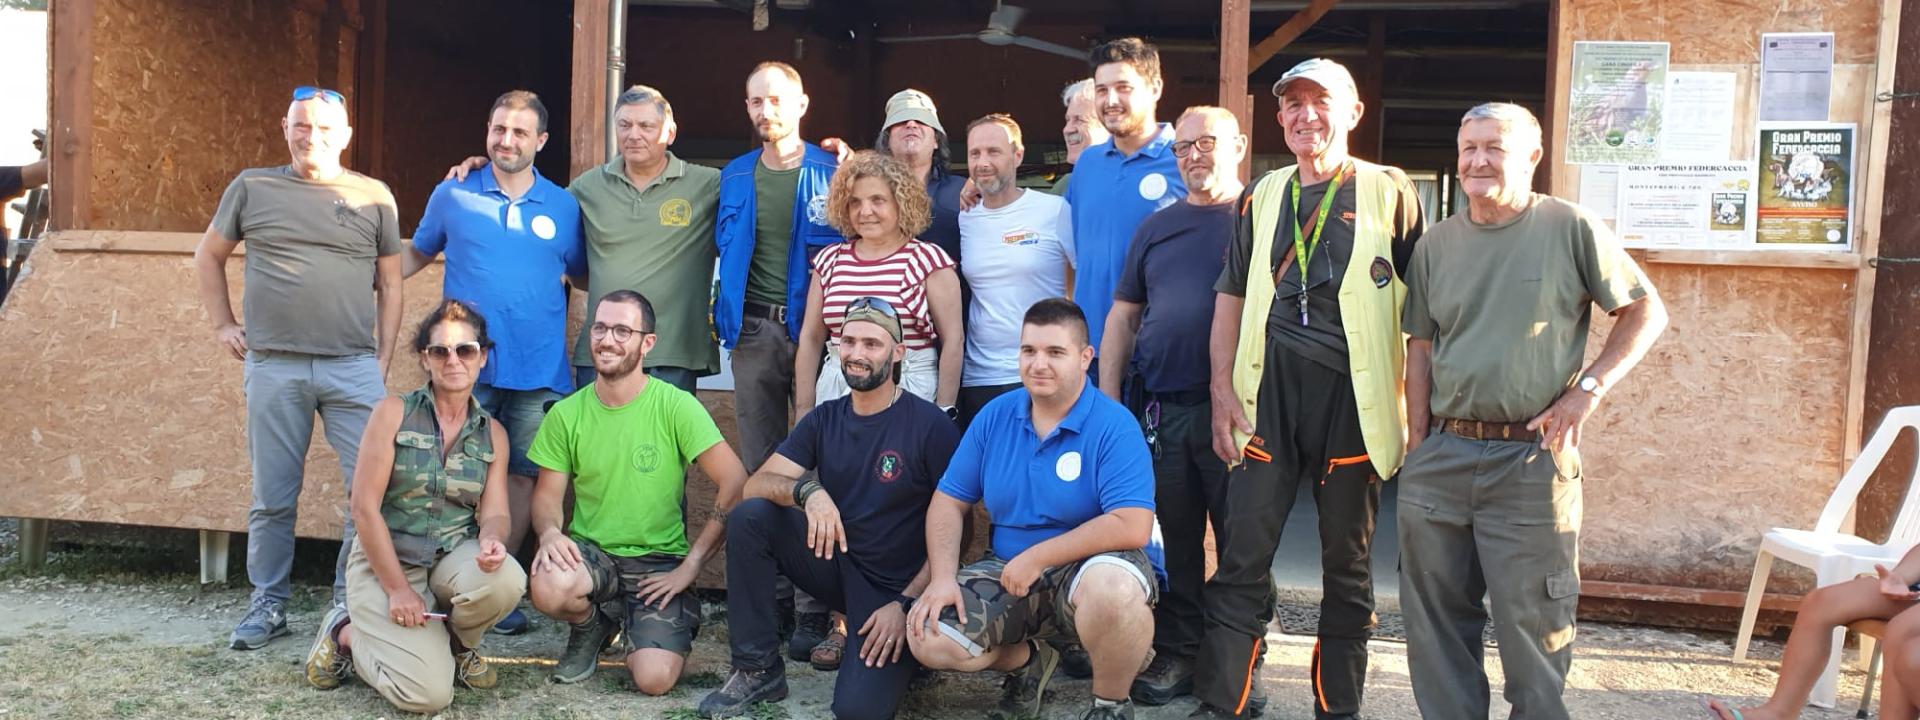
(904, 348)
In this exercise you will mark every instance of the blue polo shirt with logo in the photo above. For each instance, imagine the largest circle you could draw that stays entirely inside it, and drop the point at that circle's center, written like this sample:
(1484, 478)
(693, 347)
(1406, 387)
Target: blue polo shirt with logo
(1036, 489)
(1111, 193)
(507, 258)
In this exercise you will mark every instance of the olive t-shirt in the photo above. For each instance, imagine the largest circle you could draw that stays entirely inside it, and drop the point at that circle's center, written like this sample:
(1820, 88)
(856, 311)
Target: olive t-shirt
(311, 246)
(773, 192)
(1507, 306)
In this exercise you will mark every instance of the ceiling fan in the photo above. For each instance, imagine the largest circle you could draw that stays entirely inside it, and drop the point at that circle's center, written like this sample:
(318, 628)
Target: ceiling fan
(1000, 33)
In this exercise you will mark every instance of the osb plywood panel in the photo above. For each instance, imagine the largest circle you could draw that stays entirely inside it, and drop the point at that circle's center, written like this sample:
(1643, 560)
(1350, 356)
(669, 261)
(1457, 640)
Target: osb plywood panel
(1731, 426)
(1726, 31)
(190, 92)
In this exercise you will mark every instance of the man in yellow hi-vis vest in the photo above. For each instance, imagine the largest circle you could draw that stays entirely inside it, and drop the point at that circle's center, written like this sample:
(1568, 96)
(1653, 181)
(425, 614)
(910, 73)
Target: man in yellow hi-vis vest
(1307, 365)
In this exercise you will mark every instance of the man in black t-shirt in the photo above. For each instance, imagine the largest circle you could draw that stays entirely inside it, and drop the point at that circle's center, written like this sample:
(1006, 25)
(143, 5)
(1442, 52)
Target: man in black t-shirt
(855, 537)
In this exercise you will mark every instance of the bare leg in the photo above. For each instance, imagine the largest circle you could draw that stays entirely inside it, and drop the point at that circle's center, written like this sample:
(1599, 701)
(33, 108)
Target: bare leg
(1894, 703)
(1110, 598)
(1810, 643)
(561, 594)
(655, 671)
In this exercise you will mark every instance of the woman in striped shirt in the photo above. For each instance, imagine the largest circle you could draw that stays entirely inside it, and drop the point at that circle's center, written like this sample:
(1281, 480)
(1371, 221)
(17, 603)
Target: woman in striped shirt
(880, 207)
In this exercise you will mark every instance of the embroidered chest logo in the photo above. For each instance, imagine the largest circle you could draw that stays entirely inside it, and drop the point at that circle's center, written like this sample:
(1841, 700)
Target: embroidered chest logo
(817, 210)
(342, 211)
(676, 213)
(889, 466)
(1381, 271)
(646, 458)
(543, 227)
(1153, 186)
(1020, 237)
(1068, 466)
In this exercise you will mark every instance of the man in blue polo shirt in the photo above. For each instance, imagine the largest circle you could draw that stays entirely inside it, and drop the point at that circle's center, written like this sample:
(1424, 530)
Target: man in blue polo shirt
(1068, 485)
(1118, 183)
(511, 238)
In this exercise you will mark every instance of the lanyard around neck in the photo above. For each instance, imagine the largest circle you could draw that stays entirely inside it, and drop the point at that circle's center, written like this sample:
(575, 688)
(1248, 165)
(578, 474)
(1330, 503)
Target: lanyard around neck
(1303, 244)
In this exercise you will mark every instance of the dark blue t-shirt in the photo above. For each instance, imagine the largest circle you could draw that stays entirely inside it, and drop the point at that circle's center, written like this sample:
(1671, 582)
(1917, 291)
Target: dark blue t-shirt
(880, 470)
(1176, 255)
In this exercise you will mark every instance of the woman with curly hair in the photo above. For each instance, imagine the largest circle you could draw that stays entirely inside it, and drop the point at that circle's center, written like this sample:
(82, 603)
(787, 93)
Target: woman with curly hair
(880, 207)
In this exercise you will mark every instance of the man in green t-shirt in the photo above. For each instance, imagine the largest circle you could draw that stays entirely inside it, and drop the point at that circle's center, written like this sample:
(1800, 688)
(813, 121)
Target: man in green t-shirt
(1499, 299)
(623, 443)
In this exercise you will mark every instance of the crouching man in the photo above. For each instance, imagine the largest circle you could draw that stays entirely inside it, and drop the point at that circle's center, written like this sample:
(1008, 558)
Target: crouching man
(1068, 485)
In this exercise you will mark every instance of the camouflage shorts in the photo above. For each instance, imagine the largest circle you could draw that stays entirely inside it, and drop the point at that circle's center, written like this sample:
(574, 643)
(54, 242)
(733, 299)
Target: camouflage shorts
(615, 581)
(996, 617)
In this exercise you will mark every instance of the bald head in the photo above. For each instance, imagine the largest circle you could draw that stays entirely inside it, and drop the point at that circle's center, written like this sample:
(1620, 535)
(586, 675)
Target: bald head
(1209, 147)
(317, 132)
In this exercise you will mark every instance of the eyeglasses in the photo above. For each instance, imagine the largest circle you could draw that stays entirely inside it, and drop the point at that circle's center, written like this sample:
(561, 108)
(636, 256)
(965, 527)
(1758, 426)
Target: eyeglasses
(1203, 143)
(869, 301)
(620, 333)
(466, 351)
(309, 92)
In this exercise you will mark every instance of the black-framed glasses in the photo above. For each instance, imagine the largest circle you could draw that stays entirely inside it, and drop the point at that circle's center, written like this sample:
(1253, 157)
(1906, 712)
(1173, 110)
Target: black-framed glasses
(620, 333)
(1203, 143)
(869, 301)
(466, 351)
(309, 92)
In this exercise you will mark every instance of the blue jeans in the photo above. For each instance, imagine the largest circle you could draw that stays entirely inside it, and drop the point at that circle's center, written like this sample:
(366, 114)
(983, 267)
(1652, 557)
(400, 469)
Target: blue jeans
(519, 413)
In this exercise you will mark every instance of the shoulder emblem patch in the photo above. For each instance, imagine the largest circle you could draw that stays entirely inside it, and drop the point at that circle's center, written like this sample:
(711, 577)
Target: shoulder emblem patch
(1381, 271)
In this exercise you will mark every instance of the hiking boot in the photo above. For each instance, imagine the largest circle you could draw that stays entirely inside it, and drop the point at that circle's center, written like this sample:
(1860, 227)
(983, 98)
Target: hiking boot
(514, 623)
(1024, 692)
(744, 688)
(1074, 661)
(265, 620)
(327, 666)
(584, 642)
(1122, 710)
(1256, 705)
(473, 671)
(808, 633)
(1166, 678)
(826, 656)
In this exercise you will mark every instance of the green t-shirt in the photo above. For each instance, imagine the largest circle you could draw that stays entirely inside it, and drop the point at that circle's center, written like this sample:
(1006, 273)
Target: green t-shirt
(629, 465)
(657, 240)
(1507, 306)
(773, 192)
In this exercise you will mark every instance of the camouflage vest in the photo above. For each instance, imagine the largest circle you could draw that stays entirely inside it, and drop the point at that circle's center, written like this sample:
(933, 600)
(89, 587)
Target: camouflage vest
(428, 498)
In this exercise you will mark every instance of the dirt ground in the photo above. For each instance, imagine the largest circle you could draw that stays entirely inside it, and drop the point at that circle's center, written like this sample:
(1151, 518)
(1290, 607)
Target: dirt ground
(118, 646)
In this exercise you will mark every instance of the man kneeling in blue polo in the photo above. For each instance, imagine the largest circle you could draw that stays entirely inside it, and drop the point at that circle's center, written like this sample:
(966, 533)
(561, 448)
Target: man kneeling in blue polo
(1068, 485)
(851, 538)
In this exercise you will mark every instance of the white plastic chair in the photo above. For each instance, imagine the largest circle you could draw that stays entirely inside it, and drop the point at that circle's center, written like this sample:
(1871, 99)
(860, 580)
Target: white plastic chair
(1835, 556)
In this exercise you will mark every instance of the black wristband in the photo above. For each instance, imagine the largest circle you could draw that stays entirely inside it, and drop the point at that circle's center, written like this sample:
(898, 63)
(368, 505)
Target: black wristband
(803, 491)
(906, 602)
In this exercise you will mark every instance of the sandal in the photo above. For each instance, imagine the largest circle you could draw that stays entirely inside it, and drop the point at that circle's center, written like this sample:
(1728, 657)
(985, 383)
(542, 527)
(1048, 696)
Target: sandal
(826, 656)
(1724, 712)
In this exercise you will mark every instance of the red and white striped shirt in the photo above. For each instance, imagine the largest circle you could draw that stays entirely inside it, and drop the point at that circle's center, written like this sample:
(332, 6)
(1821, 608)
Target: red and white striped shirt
(899, 278)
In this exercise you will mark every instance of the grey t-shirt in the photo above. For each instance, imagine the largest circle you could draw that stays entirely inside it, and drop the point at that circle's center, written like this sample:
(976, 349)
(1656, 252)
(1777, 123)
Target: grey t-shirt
(1507, 306)
(311, 246)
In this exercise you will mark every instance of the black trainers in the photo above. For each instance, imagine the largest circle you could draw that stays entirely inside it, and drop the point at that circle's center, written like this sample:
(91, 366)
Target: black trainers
(584, 642)
(1122, 710)
(1166, 678)
(1024, 692)
(742, 690)
(1074, 661)
(265, 620)
(808, 633)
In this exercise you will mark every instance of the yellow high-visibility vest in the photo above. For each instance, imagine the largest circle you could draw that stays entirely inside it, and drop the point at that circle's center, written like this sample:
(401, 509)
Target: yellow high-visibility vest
(1369, 313)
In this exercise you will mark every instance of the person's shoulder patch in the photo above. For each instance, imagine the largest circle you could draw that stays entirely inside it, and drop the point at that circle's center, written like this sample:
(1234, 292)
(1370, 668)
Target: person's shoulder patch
(1381, 271)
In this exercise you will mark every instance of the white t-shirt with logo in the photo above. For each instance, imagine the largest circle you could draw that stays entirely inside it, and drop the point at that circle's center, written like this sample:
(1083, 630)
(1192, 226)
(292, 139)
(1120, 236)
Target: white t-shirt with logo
(1012, 257)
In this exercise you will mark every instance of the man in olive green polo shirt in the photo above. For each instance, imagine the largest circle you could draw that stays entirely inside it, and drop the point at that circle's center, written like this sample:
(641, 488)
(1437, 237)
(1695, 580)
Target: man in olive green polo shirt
(1499, 299)
(649, 222)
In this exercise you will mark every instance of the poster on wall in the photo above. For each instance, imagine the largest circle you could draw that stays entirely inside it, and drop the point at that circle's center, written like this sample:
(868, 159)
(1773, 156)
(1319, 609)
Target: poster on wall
(1796, 76)
(1707, 206)
(1805, 186)
(1699, 121)
(1619, 93)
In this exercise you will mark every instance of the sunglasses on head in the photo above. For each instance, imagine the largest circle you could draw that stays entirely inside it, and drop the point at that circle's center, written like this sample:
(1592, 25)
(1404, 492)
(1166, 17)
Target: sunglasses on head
(466, 351)
(862, 303)
(309, 92)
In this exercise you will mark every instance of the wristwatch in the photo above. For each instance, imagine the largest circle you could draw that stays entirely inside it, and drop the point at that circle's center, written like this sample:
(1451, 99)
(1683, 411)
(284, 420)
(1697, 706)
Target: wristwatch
(953, 413)
(1590, 385)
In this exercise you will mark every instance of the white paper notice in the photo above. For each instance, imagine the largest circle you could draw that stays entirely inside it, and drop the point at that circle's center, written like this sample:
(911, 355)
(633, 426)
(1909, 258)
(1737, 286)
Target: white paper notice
(1796, 76)
(1690, 206)
(1600, 190)
(1699, 123)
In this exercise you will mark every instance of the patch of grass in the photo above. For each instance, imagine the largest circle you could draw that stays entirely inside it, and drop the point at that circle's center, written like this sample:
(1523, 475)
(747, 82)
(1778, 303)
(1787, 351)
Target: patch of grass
(129, 707)
(767, 711)
(681, 713)
(702, 679)
(111, 563)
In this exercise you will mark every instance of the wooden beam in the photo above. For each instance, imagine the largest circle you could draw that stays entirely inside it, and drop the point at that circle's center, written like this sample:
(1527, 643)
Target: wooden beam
(1556, 180)
(71, 98)
(586, 133)
(1288, 32)
(370, 103)
(1368, 139)
(1872, 203)
(1236, 29)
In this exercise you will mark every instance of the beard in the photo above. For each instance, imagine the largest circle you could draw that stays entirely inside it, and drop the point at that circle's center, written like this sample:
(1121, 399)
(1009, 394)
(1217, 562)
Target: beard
(516, 164)
(626, 366)
(992, 185)
(868, 382)
(1125, 125)
(773, 132)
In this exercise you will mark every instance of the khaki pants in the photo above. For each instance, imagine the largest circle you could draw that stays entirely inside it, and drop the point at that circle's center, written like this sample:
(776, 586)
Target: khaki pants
(1499, 520)
(413, 667)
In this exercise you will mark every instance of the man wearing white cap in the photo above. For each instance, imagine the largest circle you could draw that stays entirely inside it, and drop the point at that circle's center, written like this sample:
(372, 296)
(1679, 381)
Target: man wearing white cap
(1307, 362)
(913, 135)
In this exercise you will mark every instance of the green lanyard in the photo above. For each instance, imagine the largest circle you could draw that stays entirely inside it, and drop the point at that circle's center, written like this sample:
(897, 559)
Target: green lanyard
(1303, 247)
